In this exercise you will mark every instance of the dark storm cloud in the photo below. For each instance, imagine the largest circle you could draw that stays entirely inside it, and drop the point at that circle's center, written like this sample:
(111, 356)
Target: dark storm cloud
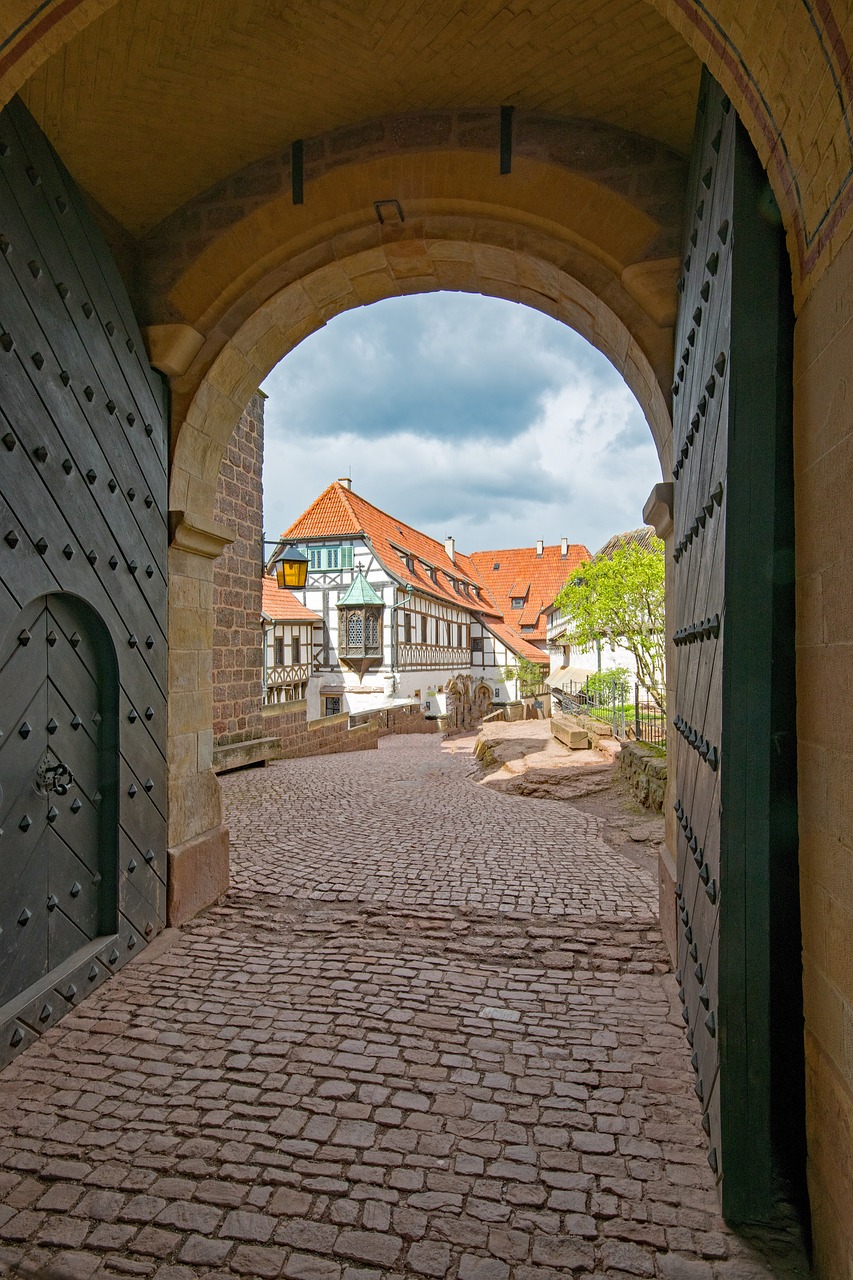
(468, 368)
(463, 415)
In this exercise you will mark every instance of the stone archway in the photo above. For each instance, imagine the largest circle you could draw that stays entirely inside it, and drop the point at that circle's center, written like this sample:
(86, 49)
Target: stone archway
(418, 263)
(787, 70)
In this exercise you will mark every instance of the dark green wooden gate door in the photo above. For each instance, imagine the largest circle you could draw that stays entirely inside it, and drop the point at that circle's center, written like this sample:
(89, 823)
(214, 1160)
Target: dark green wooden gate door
(82, 601)
(735, 767)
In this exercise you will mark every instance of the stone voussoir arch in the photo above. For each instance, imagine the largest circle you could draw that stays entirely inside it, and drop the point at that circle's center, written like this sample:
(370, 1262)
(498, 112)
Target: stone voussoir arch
(587, 228)
(421, 263)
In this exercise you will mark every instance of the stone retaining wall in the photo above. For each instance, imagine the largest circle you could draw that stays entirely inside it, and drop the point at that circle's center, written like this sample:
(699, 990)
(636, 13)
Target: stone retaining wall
(328, 736)
(406, 719)
(644, 769)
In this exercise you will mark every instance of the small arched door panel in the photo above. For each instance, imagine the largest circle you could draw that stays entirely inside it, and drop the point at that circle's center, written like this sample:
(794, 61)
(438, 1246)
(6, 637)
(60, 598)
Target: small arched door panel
(58, 764)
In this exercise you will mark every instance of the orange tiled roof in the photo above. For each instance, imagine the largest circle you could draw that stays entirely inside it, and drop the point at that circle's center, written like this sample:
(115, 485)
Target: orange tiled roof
(282, 605)
(338, 512)
(522, 573)
(519, 644)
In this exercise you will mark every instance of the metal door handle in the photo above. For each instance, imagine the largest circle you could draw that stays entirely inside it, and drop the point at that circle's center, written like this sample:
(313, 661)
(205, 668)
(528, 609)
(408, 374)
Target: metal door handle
(57, 778)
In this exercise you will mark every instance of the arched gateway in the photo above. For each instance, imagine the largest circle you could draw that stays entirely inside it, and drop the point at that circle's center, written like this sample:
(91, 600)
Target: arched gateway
(231, 258)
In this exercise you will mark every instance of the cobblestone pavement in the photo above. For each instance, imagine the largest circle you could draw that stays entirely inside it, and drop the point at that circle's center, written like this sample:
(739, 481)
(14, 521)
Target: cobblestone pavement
(429, 1033)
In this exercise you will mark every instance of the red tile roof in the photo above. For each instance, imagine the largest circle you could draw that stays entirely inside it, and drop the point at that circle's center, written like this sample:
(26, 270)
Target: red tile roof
(521, 572)
(519, 645)
(338, 512)
(282, 606)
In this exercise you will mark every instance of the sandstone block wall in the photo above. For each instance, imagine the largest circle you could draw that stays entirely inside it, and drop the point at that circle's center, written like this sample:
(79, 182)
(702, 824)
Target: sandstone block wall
(823, 464)
(644, 769)
(401, 720)
(238, 661)
(301, 737)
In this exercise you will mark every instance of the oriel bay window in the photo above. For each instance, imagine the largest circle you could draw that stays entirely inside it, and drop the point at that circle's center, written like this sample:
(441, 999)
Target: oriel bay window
(360, 614)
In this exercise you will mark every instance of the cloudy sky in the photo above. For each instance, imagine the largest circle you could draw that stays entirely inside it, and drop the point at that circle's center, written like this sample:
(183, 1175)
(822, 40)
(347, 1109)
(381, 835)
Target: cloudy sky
(461, 415)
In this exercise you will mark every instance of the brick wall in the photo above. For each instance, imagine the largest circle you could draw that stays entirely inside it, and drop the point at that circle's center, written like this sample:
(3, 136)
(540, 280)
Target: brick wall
(237, 634)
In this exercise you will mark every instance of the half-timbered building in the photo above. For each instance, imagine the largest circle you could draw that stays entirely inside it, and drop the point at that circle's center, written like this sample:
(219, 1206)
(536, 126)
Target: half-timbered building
(292, 642)
(403, 616)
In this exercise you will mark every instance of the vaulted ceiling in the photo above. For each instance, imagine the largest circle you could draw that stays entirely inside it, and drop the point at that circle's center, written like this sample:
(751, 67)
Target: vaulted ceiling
(156, 100)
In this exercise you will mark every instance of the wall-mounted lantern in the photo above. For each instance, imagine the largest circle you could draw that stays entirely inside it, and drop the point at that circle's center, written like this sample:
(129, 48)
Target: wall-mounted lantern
(291, 569)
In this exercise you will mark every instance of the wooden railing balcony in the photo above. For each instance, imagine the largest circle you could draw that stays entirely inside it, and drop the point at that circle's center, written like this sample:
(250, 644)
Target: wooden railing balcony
(285, 677)
(432, 657)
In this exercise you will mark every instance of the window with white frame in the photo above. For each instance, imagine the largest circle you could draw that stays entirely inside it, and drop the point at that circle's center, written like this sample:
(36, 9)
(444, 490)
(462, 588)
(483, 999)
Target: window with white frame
(322, 559)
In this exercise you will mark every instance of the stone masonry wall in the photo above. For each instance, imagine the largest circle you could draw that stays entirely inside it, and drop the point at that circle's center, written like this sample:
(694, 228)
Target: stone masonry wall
(332, 734)
(644, 769)
(238, 636)
(401, 720)
(301, 737)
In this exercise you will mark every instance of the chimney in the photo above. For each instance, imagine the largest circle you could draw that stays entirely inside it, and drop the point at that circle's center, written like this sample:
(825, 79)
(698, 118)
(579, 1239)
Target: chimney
(540, 546)
(345, 481)
(564, 547)
(450, 548)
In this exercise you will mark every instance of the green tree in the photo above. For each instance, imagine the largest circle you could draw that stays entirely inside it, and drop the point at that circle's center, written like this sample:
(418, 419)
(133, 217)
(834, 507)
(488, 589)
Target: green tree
(603, 681)
(528, 674)
(620, 600)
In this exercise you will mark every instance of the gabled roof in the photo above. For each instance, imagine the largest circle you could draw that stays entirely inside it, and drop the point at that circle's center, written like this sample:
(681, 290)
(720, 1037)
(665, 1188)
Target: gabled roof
(330, 515)
(522, 573)
(359, 592)
(281, 605)
(341, 513)
(519, 646)
(642, 537)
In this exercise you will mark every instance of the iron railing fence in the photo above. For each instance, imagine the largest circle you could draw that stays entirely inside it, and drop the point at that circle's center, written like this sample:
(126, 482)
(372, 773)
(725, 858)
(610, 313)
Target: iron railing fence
(628, 712)
(649, 720)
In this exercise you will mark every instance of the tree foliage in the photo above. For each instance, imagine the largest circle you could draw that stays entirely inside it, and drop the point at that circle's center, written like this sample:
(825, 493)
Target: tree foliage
(620, 600)
(603, 681)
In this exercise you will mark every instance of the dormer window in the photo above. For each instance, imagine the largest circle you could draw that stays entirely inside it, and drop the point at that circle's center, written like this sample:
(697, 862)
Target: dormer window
(517, 602)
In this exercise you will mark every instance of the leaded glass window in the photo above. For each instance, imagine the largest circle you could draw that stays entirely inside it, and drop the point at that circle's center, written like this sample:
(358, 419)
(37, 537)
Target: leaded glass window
(355, 631)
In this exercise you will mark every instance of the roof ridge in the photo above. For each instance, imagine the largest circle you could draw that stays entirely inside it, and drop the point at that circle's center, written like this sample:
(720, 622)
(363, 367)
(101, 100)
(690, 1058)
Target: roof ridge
(345, 495)
(338, 490)
(397, 520)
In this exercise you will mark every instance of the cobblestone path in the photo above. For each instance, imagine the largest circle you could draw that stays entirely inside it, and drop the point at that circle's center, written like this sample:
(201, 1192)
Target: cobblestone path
(429, 1033)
